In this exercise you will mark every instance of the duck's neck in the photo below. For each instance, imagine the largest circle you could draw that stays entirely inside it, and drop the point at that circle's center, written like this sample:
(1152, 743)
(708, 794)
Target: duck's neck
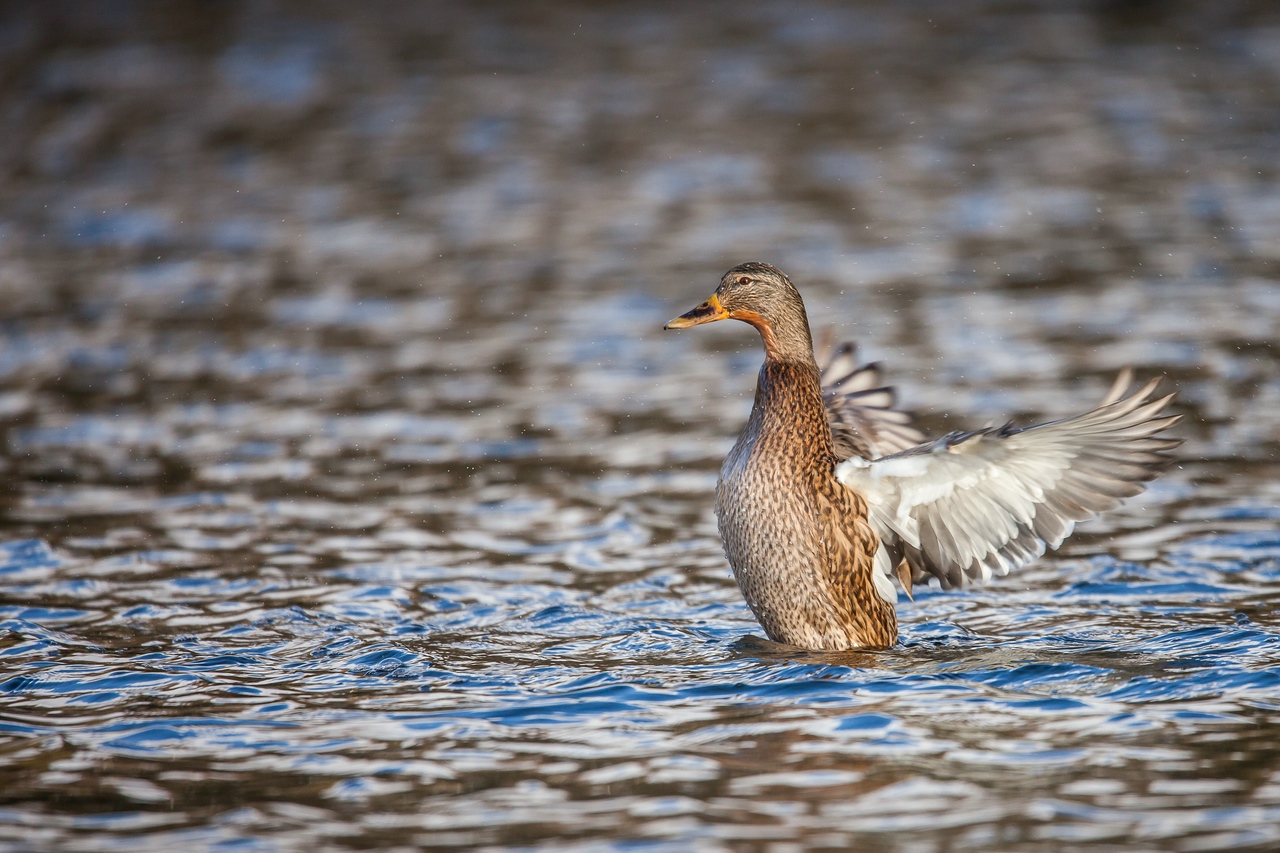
(785, 334)
(789, 400)
(789, 392)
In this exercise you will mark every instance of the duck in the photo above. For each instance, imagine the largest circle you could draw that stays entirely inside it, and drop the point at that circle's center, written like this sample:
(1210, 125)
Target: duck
(830, 495)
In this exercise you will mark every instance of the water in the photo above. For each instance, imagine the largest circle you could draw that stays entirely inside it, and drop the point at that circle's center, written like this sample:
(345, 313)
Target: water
(353, 498)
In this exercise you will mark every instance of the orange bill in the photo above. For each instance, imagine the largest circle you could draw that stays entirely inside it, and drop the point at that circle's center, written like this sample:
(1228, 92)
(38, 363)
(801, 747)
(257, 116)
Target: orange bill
(707, 312)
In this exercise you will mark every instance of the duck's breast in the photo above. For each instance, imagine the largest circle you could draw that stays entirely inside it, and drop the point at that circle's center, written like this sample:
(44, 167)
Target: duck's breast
(767, 508)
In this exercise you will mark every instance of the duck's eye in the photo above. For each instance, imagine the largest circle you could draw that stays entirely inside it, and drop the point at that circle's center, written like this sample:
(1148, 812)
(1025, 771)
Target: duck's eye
(744, 280)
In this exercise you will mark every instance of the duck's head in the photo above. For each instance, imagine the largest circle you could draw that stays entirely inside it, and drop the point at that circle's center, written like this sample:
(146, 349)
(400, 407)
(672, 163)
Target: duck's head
(763, 296)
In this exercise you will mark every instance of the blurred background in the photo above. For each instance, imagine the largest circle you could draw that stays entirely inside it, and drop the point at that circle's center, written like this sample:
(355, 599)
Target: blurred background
(351, 495)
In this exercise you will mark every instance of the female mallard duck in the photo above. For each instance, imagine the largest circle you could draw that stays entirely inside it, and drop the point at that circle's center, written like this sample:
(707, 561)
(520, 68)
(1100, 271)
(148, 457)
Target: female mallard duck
(829, 492)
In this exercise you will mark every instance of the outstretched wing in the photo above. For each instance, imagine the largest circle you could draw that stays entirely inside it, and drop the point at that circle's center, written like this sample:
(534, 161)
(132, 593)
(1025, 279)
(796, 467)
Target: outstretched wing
(860, 409)
(976, 503)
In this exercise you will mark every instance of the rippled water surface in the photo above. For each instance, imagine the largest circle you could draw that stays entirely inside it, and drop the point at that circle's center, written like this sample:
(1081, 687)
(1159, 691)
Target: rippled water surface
(352, 497)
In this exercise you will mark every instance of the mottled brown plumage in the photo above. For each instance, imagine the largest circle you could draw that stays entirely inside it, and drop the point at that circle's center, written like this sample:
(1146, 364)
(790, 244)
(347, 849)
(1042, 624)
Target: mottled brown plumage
(829, 492)
(777, 507)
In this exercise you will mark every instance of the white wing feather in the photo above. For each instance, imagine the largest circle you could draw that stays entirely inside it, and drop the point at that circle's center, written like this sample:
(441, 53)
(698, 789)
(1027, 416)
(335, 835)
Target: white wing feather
(972, 504)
